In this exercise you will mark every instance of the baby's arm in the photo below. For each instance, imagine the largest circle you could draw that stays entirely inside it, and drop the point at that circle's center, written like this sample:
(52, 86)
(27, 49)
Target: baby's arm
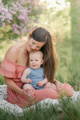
(24, 76)
(43, 82)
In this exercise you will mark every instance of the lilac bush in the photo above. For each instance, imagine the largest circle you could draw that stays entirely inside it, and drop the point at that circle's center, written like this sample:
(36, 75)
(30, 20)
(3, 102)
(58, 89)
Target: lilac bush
(5, 15)
(16, 15)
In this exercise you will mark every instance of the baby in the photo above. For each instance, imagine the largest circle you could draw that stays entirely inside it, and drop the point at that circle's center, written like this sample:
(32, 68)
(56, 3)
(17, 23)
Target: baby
(33, 77)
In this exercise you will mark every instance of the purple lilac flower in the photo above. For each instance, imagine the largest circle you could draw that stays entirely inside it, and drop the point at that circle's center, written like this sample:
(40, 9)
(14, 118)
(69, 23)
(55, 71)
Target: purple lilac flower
(18, 10)
(16, 28)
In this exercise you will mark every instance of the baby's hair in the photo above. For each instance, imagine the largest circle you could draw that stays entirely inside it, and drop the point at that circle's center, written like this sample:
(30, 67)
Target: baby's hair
(37, 52)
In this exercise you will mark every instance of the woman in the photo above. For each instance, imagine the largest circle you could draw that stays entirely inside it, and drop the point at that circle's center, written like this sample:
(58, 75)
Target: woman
(15, 62)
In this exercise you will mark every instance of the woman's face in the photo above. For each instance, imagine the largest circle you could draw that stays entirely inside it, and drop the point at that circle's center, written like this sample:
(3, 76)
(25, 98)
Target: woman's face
(34, 45)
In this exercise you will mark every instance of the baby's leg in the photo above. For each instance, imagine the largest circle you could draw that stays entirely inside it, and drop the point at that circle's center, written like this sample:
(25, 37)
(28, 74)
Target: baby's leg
(27, 87)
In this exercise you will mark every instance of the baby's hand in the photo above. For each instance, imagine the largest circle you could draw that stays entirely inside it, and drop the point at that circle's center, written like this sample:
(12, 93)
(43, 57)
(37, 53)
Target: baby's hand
(29, 81)
(41, 83)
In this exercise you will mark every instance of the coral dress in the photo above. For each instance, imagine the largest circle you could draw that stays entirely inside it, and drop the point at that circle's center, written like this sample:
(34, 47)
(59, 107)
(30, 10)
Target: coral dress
(14, 71)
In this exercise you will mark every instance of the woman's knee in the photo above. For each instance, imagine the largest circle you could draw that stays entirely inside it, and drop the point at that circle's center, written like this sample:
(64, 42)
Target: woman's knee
(67, 89)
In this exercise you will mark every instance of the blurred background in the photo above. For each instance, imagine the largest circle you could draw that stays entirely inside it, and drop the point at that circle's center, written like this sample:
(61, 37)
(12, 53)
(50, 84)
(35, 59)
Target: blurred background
(60, 17)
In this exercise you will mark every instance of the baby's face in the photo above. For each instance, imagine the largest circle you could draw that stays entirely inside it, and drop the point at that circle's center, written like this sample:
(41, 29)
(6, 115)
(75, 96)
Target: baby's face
(35, 61)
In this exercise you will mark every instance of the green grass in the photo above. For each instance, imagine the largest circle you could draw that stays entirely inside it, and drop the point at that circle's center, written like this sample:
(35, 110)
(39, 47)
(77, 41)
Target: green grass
(1, 80)
(66, 110)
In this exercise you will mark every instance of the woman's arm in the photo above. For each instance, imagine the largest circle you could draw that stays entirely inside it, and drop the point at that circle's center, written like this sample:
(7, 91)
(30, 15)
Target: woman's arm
(14, 87)
(12, 55)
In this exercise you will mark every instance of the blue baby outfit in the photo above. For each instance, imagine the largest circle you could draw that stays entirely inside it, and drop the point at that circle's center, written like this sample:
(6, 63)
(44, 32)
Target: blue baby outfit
(36, 75)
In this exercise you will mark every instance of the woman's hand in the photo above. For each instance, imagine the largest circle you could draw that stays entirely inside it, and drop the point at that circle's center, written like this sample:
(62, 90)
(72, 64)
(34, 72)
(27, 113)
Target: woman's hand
(23, 92)
(29, 94)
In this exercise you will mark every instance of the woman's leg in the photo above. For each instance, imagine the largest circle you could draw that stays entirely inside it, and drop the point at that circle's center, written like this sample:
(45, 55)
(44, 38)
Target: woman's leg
(46, 93)
(51, 85)
(64, 89)
(54, 93)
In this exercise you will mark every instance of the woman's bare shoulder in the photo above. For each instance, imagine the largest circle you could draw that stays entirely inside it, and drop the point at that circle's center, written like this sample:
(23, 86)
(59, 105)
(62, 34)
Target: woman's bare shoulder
(12, 52)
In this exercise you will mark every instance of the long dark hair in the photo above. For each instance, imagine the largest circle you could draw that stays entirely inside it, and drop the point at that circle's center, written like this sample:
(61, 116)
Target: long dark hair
(42, 35)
